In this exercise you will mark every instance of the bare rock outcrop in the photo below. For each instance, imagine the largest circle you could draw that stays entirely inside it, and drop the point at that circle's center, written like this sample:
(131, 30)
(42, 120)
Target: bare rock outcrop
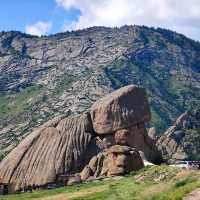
(120, 117)
(181, 141)
(57, 147)
(123, 108)
(110, 137)
(137, 137)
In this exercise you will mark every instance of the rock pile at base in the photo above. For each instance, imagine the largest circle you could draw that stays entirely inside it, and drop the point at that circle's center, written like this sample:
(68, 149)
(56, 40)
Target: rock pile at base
(110, 137)
(114, 161)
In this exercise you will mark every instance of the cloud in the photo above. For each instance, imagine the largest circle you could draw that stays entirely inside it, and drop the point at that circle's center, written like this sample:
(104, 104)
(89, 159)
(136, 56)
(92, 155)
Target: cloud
(39, 28)
(179, 15)
(68, 26)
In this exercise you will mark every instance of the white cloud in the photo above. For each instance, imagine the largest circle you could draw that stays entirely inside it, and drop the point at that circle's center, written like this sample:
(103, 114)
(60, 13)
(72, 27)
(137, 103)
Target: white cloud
(68, 26)
(39, 28)
(170, 14)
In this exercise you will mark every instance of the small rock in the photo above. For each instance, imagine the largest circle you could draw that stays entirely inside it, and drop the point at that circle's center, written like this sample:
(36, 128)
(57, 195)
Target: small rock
(86, 173)
(74, 180)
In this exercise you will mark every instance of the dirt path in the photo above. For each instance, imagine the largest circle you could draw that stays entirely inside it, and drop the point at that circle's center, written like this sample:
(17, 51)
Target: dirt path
(194, 195)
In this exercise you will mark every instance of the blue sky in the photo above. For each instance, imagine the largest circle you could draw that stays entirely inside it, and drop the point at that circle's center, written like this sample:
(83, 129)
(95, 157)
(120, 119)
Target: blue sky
(43, 17)
(17, 14)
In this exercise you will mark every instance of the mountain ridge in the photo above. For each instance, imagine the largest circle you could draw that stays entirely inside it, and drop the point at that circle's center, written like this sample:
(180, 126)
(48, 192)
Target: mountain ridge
(42, 77)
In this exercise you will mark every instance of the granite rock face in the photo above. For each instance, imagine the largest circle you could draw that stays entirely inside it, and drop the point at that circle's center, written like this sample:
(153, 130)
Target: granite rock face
(66, 145)
(182, 140)
(57, 147)
(123, 114)
(137, 137)
(123, 108)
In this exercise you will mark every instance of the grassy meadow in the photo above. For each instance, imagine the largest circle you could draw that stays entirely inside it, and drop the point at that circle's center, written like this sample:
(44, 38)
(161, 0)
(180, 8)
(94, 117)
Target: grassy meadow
(151, 183)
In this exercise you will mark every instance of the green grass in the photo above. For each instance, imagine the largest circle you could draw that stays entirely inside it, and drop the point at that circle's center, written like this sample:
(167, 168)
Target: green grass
(64, 83)
(151, 183)
(11, 104)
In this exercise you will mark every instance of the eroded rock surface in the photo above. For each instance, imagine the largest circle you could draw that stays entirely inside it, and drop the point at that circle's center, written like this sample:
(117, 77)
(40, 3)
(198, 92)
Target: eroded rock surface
(114, 161)
(123, 108)
(64, 146)
(137, 137)
(120, 117)
(57, 147)
(182, 140)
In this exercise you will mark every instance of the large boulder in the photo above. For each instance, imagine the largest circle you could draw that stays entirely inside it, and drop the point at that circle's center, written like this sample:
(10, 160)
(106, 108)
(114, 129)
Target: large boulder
(122, 160)
(58, 147)
(123, 108)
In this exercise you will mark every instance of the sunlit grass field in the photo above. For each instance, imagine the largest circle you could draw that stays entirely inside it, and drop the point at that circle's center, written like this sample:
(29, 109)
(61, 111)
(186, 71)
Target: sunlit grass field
(151, 183)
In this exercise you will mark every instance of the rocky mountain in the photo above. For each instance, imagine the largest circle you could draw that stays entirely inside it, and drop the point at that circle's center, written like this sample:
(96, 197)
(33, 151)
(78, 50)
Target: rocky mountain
(63, 74)
(182, 140)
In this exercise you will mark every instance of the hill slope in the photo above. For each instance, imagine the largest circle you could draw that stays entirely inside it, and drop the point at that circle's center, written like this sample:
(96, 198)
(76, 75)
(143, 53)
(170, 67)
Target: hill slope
(41, 77)
(181, 141)
(154, 183)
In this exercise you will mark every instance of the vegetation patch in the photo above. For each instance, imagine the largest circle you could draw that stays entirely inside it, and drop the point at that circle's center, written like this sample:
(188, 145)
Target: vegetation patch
(150, 183)
(12, 104)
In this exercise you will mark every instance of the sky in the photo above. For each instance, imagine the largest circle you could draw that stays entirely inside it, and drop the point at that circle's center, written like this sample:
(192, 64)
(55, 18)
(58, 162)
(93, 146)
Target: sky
(44, 17)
